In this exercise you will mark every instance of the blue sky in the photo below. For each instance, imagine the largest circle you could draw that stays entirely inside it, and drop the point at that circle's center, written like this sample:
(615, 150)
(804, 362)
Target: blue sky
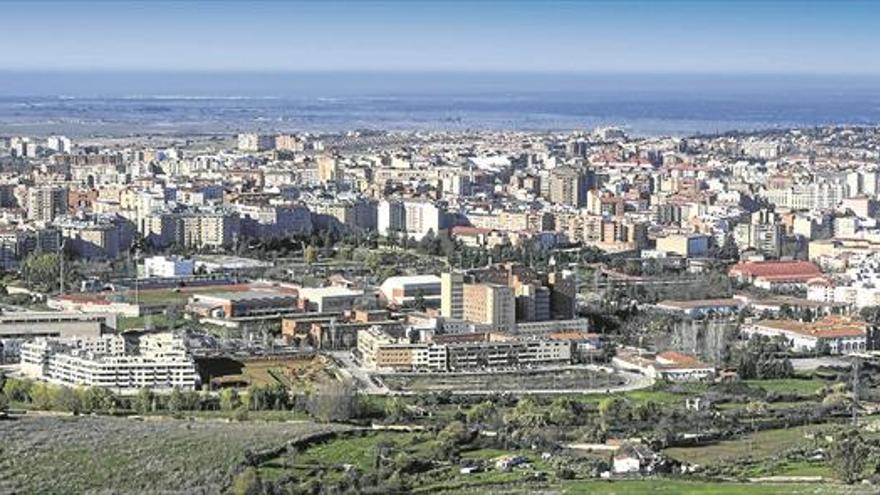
(687, 36)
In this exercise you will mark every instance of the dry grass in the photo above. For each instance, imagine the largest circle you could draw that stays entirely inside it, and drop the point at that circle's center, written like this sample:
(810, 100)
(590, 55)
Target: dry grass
(117, 455)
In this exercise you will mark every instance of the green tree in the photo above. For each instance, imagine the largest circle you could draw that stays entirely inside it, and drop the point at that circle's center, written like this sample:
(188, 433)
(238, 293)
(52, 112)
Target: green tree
(175, 402)
(419, 302)
(144, 401)
(481, 412)
(66, 399)
(247, 483)
(333, 402)
(527, 413)
(395, 409)
(310, 255)
(453, 436)
(18, 390)
(761, 358)
(42, 396)
(612, 410)
(4, 400)
(41, 271)
(871, 315)
(562, 411)
(229, 400)
(98, 399)
(848, 455)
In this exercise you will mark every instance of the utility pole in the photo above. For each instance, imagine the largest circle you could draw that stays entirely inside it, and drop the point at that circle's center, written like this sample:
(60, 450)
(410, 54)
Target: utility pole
(137, 301)
(855, 384)
(61, 268)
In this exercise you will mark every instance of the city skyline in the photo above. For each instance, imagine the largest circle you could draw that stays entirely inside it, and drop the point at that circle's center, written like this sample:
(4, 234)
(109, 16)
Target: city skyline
(502, 36)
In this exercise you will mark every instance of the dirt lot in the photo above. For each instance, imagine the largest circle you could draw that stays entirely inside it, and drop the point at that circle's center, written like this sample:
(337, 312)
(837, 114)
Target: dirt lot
(295, 372)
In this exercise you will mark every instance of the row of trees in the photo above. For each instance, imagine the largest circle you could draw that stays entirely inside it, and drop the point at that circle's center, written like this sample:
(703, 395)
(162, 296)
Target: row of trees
(331, 402)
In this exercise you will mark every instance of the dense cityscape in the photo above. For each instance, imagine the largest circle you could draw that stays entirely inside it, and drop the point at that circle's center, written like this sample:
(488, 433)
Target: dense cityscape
(444, 311)
(385, 247)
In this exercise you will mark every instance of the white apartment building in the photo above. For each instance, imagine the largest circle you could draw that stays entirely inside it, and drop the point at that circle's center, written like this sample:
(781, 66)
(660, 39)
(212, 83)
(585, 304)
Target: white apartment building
(381, 352)
(255, 142)
(411, 218)
(61, 144)
(162, 362)
(813, 196)
(160, 266)
(23, 147)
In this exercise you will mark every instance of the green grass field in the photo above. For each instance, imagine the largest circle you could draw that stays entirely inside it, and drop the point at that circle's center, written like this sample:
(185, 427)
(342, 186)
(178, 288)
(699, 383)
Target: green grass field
(756, 445)
(805, 386)
(361, 451)
(664, 397)
(177, 295)
(675, 487)
(358, 451)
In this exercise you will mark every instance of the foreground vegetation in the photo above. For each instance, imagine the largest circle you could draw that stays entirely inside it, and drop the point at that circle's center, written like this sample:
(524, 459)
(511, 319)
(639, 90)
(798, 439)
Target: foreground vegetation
(83, 454)
(678, 487)
(794, 426)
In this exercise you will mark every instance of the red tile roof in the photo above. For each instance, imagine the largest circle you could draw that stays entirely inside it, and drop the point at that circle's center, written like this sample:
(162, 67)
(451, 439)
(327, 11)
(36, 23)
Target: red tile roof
(828, 327)
(776, 270)
(680, 360)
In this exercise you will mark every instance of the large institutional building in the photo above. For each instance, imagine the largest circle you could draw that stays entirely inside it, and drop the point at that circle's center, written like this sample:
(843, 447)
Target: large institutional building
(836, 334)
(380, 351)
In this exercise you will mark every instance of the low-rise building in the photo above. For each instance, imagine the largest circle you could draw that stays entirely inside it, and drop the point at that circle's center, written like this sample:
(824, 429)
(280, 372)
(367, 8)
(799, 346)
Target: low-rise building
(381, 351)
(635, 458)
(836, 334)
(686, 246)
(330, 299)
(775, 275)
(499, 351)
(168, 267)
(405, 290)
(477, 351)
(669, 365)
(244, 303)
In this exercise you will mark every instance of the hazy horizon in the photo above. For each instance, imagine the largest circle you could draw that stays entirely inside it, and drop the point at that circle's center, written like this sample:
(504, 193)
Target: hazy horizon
(289, 83)
(121, 102)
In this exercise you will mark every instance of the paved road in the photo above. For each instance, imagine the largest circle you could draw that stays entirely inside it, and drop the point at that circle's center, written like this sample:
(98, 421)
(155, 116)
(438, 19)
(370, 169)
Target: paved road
(347, 365)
